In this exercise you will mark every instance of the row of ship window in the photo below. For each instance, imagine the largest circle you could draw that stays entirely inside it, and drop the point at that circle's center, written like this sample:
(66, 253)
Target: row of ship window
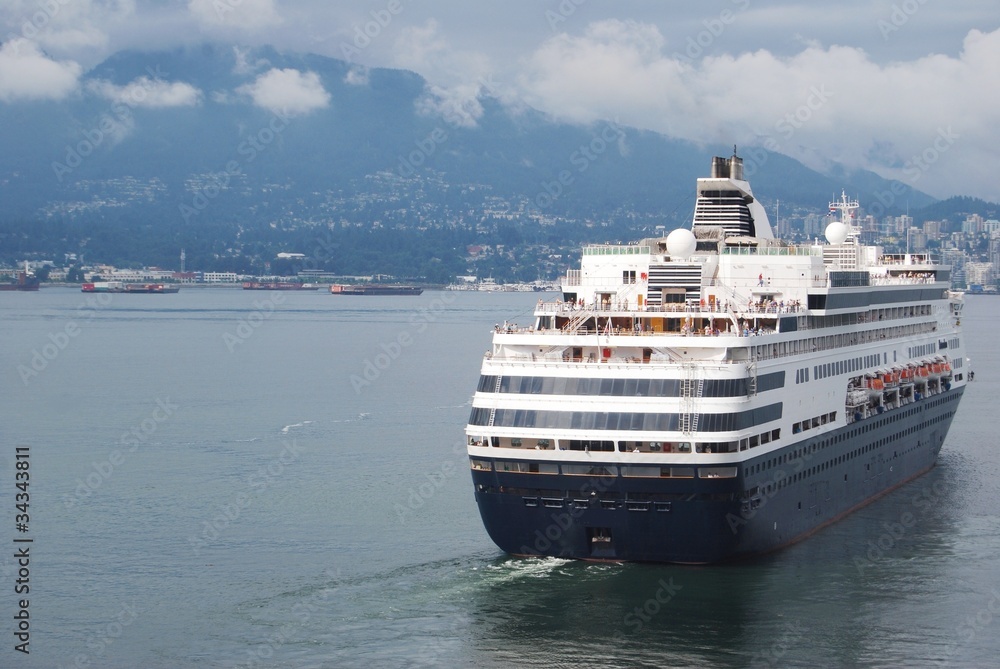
(871, 316)
(814, 422)
(603, 470)
(599, 445)
(605, 387)
(797, 458)
(781, 479)
(863, 299)
(632, 501)
(624, 420)
(892, 313)
(801, 455)
(860, 363)
(838, 367)
(922, 350)
(828, 342)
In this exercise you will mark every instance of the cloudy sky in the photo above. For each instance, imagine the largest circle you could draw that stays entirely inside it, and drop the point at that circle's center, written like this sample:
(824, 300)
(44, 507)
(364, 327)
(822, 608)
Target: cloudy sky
(907, 88)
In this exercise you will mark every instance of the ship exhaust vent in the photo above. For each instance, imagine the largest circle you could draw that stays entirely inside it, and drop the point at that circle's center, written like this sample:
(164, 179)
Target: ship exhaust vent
(720, 168)
(736, 167)
(727, 168)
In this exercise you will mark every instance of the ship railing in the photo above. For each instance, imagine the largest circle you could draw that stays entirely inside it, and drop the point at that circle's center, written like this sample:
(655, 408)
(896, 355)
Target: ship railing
(518, 361)
(913, 278)
(630, 294)
(762, 285)
(731, 294)
(559, 307)
(772, 307)
(772, 251)
(753, 286)
(735, 300)
(718, 309)
(686, 330)
(919, 259)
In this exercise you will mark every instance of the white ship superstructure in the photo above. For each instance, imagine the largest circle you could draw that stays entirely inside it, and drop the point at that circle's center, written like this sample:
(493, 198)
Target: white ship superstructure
(716, 392)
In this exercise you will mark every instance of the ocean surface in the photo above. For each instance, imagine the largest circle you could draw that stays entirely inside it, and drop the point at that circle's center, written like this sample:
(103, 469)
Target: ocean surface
(228, 478)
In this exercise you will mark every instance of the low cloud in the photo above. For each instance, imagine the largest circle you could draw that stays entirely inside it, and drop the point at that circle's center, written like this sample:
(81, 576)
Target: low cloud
(149, 93)
(246, 63)
(288, 91)
(247, 15)
(458, 105)
(73, 29)
(834, 102)
(358, 75)
(872, 89)
(458, 77)
(28, 74)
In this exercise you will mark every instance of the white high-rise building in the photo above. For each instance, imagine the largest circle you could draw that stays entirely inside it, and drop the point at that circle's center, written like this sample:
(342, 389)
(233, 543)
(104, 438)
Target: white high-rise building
(980, 273)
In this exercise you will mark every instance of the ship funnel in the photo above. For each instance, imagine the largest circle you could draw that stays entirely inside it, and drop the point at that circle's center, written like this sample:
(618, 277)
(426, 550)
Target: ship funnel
(736, 168)
(720, 168)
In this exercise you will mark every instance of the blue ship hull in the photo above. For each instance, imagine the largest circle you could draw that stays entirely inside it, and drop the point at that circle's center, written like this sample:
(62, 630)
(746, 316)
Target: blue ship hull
(773, 500)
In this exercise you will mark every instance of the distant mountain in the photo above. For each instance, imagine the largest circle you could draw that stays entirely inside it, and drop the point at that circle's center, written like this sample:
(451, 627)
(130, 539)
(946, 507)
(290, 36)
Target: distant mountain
(378, 156)
(955, 207)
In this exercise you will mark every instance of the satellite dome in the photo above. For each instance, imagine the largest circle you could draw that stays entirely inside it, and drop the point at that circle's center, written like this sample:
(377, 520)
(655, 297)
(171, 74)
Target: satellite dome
(836, 233)
(681, 243)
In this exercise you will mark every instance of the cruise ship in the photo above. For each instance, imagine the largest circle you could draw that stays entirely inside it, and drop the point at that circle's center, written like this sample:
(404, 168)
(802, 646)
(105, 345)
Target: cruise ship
(715, 393)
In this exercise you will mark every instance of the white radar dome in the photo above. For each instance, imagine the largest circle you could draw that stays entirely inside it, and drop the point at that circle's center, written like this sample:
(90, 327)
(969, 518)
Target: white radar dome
(836, 233)
(681, 243)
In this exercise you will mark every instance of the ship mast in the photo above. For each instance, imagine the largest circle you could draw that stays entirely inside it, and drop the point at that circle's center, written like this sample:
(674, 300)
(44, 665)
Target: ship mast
(848, 216)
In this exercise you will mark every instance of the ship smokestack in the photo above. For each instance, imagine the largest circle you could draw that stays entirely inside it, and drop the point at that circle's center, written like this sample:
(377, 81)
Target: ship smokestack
(720, 168)
(736, 167)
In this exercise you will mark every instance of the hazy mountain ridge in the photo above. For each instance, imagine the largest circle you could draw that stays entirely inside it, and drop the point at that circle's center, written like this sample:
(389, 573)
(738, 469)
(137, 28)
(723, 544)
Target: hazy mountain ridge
(959, 204)
(367, 127)
(374, 157)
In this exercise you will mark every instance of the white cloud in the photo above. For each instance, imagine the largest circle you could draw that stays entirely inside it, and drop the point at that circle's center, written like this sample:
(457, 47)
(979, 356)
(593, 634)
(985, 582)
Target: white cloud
(458, 105)
(421, 47)
(248, 15)
(892, 88)
(149, 93)
(288, 91)
(75, 39)
(834, 102)
(457, 77)
(63, 27)
(28, 74)
(246, 62)
(357, 76)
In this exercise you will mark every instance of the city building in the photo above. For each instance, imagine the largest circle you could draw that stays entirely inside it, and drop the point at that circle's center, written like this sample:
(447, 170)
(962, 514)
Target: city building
(219, 277)
(979, 274)
(972, 224)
